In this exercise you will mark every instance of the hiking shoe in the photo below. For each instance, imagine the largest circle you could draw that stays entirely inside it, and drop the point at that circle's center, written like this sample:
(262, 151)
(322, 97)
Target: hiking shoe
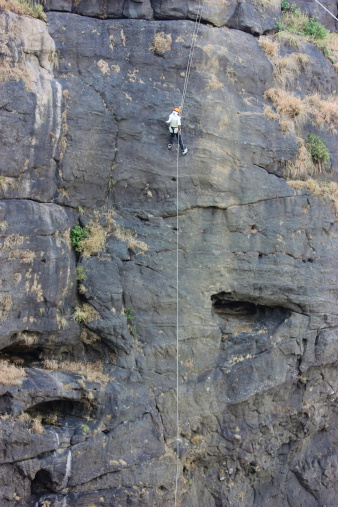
(185, 151)
(170, 146)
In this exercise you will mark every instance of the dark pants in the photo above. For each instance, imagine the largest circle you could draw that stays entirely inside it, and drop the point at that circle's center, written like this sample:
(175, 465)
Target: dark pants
(171, 139)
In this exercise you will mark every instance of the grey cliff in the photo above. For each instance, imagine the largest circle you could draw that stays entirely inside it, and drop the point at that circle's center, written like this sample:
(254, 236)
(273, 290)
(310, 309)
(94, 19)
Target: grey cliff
(84, 142)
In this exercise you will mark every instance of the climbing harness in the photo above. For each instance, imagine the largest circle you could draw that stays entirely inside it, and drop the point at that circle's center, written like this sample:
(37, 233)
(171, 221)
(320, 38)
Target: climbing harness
(191, 54)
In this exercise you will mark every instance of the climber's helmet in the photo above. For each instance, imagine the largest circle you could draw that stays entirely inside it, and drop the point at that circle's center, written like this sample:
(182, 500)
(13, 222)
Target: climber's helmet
(177, 109)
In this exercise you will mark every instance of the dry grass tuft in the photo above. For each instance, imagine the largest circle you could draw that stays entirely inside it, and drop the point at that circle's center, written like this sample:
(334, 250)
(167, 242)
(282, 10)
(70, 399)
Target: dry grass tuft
(197, 439)
(162, 43)
(95, 241)
(292, 111)
(270, 114)
(5, 305)
(285, 102)
(327, 190)
(5, 181)
(88, 336)
(93, 372)
(62, 321)
(270, 47)
(27, 339)
(332, 45)
(97, 235)
(3, 226)
(85, 313)
(14, 72)
(11, 375)
(287, 68)
(130, 237)
(302, 167)
(323, 111)
(24, 256)
(33, 424)
(291, 39)
(36, 425)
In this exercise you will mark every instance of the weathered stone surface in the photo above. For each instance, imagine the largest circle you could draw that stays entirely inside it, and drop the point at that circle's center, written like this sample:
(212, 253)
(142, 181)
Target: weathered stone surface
(252, 16)
(38, 287)
(257, 264)
(255, 17)
(30, 104)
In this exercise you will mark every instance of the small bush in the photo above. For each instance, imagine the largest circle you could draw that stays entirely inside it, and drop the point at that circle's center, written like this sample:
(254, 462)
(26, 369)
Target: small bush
(94, 241)
(287, 68)
(11, 375)
(78, 234)
(284, 102)
(85, 313)
(270, 47)
(5, 181)
(37, 426)
(127, 235)
(3, 226)
(315, 29)
(161, 43)
(24, 8)
(302, 167)
(129, 314)
(318, 151)
(324, 111)
(81, 274)
(285, 6)
(291, 110)
(295, 26)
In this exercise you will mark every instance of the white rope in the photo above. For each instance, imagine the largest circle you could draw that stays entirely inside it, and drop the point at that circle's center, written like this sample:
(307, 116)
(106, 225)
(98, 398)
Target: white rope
(191, 54)
(327, 10)
(177, 336)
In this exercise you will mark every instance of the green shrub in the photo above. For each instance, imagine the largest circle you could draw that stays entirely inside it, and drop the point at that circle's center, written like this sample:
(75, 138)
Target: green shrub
(129, 314)
(85, 428)
(315, 29)
(85, 313)
(77, 234)
(81, 274)
(318, 150)
(295, 26)
(285, 6)
(295, 21)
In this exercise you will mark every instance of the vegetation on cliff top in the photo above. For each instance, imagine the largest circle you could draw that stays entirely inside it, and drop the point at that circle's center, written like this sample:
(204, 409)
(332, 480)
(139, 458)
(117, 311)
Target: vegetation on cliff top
(295, 26)
(24, 8)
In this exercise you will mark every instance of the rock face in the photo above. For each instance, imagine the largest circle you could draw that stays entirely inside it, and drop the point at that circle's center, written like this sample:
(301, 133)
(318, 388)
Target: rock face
(92, 420)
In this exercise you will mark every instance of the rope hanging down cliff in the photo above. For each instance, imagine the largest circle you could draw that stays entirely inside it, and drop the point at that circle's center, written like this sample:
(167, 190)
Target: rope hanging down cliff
(185, 87)
(327, 10)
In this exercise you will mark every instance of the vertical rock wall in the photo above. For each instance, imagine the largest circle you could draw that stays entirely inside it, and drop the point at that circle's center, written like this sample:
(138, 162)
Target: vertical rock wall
(92, 421)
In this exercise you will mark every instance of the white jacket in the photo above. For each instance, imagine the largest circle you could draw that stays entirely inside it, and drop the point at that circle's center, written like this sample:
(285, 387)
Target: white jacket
(174, 121)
